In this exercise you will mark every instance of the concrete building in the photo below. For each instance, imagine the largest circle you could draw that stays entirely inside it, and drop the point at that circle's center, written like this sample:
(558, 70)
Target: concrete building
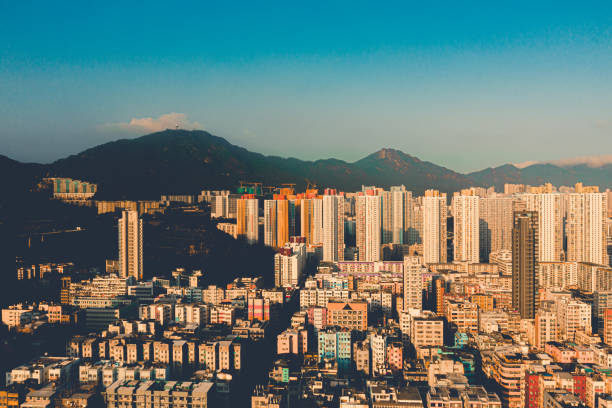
(586, 228)
(548, 207)
(466, 219)
(352, 315)
(572, 316)
(279, 221)
(607, 326)
(311, 219)
(593, 277)
(601, 302)
(62, 370)
(335, 344)
(557, 275)
(247, 218)
(434, 211)
(130, 245)
(289, 263)
(361, 356)
(545, 327)
(158, 394)
(560, 398)
(378, 353)
(462, 314)
(495, 225)
(17, 315)
(333, 228)
(292, 341)
(368, 208)
(525, 255)
(427, 329)
(413, 282)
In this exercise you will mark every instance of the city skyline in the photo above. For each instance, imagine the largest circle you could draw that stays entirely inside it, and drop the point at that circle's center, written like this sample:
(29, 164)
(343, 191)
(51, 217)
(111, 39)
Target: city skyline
(300, 205)
(446, 84)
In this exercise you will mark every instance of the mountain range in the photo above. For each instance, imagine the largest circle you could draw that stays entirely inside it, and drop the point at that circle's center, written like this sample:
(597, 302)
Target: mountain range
(182, 161)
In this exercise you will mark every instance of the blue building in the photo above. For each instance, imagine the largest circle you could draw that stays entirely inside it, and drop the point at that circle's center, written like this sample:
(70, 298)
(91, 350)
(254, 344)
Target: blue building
(334, 343)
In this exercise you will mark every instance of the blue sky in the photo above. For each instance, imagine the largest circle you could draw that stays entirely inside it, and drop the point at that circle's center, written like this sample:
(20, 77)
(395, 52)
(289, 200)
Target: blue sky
(466, 85)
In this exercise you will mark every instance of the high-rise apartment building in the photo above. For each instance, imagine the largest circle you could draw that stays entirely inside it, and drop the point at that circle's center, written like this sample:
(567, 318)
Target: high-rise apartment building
(602, 300)
(607, 326)
(586, 228)
(219, 206)
(279, 221)
(368, 228)
(550, 224)
(386, 199)
(311, 220)
(247, 218)
(393, 214)
(378, 348)
(270, 223)
(413, 220)
(466, 226)
(495, 225)
(399, 198)
(545, 327)
(130, 245)
(333, 228)
(434, 210)
(413, 282)
(525, 246)
(289, 263)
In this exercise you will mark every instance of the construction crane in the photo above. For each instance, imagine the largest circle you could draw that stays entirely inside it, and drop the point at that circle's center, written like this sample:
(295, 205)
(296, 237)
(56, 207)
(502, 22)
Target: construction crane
(255, 186)
(310, 185)
(249, 183)
(287, 188)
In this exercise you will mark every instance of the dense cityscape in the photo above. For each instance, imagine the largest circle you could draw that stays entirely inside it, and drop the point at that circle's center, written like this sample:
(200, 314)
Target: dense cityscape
(376, 298)
(323, 204)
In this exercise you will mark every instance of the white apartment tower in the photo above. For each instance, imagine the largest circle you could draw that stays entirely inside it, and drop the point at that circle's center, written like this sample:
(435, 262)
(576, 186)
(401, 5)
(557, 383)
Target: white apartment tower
(317, 221)
(586, 228)
(393, 214)
(466, 220)
(434, 210)
(386, 198)
(270, 223)
(247, 219)
(130, 245)
(413, 220)
(368, 226)
(413, 282)
(399, 199)
(496, 221)
(550, 219)
(333, 228)
(311, 220)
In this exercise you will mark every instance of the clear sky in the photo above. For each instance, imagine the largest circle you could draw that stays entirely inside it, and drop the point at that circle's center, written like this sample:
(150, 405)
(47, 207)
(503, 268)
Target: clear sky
(466, 85)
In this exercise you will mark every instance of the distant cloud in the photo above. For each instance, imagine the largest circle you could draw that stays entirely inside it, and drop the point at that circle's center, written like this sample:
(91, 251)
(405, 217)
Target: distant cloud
(590, 161)
(162, 122)
(524, 164)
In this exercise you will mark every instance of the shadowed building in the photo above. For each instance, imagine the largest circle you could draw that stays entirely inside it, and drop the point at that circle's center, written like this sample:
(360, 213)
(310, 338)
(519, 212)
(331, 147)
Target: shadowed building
(524, 262)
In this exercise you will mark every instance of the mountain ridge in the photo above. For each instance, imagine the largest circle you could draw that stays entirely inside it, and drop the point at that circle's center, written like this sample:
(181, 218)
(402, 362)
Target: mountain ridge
(187, 161)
